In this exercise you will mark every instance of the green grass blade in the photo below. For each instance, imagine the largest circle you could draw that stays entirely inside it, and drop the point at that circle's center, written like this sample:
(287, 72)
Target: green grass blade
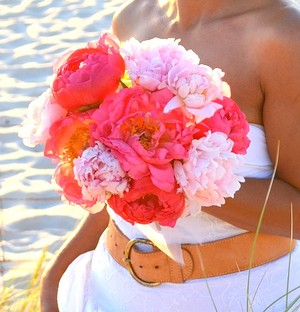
(248, 303)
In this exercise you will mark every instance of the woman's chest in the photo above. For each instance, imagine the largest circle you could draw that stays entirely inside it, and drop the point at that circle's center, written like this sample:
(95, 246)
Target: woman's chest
(227, 47)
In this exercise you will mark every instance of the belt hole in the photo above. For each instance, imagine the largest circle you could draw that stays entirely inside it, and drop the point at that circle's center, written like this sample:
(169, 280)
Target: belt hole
(116, 244)
(140, 266)
(156, 267)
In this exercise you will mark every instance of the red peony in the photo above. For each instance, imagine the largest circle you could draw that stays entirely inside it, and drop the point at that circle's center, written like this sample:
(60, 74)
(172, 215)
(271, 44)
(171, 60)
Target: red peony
(146, 203)
(86, 76)
(231, 121)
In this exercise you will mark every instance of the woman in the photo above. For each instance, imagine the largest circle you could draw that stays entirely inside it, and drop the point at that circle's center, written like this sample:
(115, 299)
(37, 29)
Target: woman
(257, 44)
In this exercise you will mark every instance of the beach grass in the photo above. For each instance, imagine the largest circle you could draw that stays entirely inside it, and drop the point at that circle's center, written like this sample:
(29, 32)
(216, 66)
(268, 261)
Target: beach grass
(27, 300)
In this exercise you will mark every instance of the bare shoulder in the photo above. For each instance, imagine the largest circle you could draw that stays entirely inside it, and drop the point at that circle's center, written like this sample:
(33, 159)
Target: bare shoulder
(279, 43)
(279, 55)
(285, 20)
(280, 26)
(132, 18)
(279, 47)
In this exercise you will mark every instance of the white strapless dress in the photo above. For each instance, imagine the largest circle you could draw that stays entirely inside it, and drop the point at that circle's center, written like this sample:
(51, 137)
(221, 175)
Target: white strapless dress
(95, 282)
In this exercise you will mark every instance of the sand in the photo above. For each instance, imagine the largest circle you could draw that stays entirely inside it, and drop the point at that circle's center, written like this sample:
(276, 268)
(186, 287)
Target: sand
(32, 34)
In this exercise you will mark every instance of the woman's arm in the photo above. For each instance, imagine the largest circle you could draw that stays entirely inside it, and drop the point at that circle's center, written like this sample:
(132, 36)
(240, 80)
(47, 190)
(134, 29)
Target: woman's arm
(245, 209)
(85, 238)
(279, 63)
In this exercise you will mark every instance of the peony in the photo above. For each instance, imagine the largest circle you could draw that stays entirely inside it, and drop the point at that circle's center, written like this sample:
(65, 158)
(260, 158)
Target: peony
(207, 176)
(149, 62)
(86, 76)
(41, 114)
(99, 174)
(196, 88)
(231, 121)
(146, 203)
(141, 136)
(69, 137)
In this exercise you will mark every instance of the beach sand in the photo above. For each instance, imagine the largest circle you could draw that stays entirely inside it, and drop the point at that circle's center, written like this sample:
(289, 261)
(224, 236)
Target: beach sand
(32, 34)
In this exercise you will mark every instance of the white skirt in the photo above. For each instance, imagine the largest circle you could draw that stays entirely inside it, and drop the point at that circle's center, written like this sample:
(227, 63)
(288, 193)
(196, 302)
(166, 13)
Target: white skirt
(95, 282)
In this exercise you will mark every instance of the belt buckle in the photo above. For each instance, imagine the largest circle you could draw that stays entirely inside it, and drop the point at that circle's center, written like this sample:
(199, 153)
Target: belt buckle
(127, 260)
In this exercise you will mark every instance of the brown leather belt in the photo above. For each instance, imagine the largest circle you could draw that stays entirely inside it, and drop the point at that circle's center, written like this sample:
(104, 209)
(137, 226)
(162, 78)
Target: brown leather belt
(216, 258)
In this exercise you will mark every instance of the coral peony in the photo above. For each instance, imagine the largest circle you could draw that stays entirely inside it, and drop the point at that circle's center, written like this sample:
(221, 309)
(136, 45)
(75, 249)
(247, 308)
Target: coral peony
(141, 136)
(207, 176)
(145, 203)
(41, 114)
(231, 121)
(99, 174)
(69, 137)
(86, 76)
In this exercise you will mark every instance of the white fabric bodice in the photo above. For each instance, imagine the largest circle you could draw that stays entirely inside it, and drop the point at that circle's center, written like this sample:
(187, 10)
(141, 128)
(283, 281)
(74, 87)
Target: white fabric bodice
(203, 227)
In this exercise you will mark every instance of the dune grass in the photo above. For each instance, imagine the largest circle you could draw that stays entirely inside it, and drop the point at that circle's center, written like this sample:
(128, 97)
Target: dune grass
(26, 300)
(249, 303)
(289, 306)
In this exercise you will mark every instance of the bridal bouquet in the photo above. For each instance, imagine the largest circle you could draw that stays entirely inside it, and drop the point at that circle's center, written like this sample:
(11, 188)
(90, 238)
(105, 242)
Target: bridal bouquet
(142, 126)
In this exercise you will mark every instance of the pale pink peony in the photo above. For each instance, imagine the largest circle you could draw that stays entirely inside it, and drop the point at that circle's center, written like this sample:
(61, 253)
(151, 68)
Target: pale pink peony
(196, 89)
(99, 174)
(207, 176)
(41, 114)
(149, 62)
